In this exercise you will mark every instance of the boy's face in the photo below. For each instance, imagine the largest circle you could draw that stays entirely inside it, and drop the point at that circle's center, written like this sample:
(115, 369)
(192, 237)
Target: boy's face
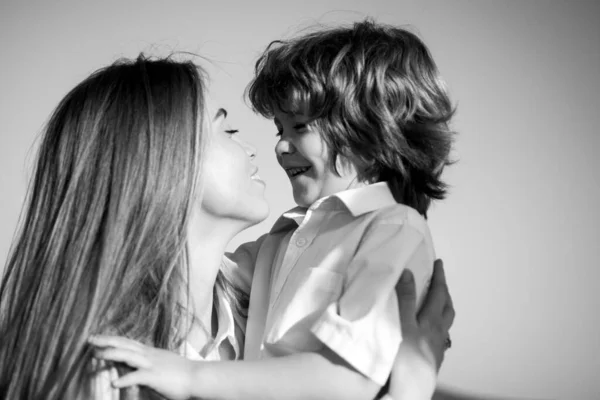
(305, 158)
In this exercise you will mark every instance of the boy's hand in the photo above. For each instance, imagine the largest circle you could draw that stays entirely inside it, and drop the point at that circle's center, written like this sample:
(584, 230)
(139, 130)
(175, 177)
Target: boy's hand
(161, 370)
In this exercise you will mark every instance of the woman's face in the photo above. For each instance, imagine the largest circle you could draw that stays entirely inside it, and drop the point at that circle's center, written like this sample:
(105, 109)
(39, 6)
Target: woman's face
(232, 188)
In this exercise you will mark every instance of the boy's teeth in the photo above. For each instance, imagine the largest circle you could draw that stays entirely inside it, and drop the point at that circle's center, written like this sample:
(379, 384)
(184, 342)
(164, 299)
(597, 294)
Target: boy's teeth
(297, 171)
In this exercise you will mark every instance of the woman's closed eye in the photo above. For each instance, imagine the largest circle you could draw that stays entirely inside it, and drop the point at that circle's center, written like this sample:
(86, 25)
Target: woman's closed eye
(231, 132)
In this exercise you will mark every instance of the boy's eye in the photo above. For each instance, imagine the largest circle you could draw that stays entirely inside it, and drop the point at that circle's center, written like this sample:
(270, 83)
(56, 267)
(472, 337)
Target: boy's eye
(300, 127)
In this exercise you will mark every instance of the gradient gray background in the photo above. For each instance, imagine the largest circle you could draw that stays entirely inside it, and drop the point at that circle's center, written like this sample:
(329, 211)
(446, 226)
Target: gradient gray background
(520, 229)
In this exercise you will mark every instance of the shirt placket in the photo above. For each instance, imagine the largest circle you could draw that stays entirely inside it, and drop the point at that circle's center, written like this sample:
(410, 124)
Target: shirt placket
(298, 244)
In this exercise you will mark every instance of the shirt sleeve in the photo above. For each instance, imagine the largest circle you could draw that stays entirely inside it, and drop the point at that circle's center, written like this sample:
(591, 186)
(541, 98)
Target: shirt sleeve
(363, 325)
(240, 264)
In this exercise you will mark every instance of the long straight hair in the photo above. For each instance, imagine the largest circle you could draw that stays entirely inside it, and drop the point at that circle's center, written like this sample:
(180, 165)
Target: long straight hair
(101, 244)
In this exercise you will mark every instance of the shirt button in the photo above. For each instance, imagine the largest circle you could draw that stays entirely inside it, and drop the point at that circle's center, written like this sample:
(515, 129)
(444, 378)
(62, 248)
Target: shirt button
(300, 242)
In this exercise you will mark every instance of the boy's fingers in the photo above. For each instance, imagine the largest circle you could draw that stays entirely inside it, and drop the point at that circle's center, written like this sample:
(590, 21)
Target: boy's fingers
(129, 357)
(133, 378)
(115, 341)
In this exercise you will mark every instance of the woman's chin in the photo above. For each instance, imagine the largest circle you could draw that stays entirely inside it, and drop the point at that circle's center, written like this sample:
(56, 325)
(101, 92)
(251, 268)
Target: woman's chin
(258, 215)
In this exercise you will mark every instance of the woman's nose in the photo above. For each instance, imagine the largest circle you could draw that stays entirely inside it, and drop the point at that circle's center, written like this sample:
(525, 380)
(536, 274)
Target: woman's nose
(250, 150)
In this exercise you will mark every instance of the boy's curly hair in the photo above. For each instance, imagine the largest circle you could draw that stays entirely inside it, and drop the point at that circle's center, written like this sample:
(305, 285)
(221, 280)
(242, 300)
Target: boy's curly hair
(375, 95)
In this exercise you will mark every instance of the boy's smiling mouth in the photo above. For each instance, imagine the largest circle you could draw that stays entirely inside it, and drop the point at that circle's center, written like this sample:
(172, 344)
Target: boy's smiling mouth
(296, 171)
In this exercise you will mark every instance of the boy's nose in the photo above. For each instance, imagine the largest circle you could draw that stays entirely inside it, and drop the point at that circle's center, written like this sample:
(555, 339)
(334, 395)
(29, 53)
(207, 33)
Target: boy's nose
(284, 147)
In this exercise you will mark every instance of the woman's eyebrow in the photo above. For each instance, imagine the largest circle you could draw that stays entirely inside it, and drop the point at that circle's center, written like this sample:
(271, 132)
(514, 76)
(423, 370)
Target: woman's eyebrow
(221, 112)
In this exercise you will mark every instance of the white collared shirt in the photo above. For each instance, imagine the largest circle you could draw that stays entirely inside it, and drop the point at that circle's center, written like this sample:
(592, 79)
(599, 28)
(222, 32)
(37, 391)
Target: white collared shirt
(325, 276)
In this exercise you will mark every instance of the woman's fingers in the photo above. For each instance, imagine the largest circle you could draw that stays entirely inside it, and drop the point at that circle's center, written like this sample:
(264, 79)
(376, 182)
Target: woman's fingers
(407, 299)
(116, 341)
(444, 298)
(130, 357)
(439, 275)
(437, 296)
(448, 316)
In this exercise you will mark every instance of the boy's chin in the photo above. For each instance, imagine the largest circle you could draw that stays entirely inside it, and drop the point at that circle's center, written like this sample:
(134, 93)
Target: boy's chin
(303, 200)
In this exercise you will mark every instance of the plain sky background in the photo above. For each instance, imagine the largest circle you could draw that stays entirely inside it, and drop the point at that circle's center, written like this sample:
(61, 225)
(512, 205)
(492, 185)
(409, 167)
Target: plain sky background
(519, 232)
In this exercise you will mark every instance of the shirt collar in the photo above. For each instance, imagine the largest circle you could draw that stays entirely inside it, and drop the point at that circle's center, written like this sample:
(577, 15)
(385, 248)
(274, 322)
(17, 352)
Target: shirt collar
(367, 198)
(357, 201)
(226, 331)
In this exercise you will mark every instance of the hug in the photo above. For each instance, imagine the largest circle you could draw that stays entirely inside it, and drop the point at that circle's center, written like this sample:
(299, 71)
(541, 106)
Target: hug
(119, 286)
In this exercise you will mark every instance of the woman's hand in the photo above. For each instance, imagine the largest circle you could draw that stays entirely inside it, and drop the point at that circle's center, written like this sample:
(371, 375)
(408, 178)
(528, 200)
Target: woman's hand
(424, 337)
(161, 370)
(436, 316)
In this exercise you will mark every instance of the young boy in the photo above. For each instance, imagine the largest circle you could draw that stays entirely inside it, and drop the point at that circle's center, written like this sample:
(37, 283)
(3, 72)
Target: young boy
(362, 120)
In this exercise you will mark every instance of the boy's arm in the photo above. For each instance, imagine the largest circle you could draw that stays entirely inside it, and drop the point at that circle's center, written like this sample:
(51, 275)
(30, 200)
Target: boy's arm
(297, 376)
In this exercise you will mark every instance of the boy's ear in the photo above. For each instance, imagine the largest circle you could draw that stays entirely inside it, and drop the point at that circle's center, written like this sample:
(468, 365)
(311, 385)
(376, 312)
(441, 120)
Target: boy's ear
(345, 165)
(364, 171)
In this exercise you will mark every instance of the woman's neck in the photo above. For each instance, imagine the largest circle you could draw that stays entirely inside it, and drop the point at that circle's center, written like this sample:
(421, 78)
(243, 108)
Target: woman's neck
(207, 240)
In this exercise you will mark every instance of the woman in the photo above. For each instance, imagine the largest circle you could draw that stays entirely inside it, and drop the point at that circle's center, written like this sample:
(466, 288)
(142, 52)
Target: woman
(136, 194)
